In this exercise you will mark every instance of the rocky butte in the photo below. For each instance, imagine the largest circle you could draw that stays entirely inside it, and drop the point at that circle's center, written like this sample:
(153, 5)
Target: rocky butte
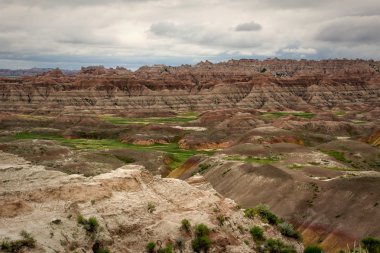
(237, 156)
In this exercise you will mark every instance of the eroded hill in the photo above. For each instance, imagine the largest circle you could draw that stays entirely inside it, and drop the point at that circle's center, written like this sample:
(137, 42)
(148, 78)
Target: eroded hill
(270, 84)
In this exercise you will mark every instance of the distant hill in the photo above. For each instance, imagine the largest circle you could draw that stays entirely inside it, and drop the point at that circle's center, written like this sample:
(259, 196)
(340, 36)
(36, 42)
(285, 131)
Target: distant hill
(31, 72)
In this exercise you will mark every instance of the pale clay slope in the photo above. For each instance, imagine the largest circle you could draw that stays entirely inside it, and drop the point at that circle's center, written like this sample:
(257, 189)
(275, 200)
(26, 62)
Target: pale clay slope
(32, 197)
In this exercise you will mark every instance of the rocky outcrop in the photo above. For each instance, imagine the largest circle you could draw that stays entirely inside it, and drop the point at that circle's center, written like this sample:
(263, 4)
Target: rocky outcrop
(132, 208)
(270, 84)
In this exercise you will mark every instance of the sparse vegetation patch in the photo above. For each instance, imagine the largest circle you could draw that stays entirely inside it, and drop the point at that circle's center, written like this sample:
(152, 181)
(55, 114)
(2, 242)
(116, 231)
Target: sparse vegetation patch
(201, 242)
(254, 159)
(257, 233)
(91, 225)
(150, 120)
(27, 241)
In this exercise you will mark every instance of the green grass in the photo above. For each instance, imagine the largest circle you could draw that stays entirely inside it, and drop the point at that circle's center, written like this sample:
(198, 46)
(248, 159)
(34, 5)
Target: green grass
(359, 122)
(178, 155)
(338, 168)
(337, 155)
(250, 159)
(276, 115)
(340, 113)
(295, 166)
(185, 117)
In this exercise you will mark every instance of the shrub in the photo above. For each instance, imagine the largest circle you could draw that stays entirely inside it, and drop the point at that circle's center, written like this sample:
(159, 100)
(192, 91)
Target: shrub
(91, 225)
(201, 243)
(266, 214)
(167, 249)
(203, 167)
(257, 233)
(180, 243)
(288, 230)
(221, 219)
(372, 245)
(249, 213)
(81, 220)
(185, 225)
(313, 249)
(201, 230)
(150, 247)
(27, 241)
(278, 246)
(151, 207)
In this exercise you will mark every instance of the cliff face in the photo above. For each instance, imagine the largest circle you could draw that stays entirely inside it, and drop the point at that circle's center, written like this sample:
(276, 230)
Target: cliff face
(270, 84)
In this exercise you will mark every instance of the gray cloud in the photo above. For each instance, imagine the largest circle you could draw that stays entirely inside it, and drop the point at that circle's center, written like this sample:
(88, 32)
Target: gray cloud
(251, 26)
(353, 30)
(164, 29)
(202, 35)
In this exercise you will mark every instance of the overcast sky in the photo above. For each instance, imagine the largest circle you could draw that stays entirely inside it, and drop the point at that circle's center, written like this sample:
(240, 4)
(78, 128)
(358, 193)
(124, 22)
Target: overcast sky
(131, 33)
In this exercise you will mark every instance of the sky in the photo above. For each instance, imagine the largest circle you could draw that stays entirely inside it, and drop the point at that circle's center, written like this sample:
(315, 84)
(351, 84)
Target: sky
(132, 33)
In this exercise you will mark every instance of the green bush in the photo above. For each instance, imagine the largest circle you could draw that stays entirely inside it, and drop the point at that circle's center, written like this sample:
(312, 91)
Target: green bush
(202, 243)
(185, 225)
(27, 241)
(288, 230)
(313, 249)
(81, 220)
(257, 233)
(150, 247)
(266, 214)
(167, 249)
(249, 213)
(91, 225)
(278, 246)
(372, 245)
(201, 230)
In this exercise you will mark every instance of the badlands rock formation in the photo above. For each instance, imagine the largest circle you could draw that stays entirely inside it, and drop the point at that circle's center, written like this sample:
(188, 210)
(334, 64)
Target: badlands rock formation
(269, 84)
(46, 204)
